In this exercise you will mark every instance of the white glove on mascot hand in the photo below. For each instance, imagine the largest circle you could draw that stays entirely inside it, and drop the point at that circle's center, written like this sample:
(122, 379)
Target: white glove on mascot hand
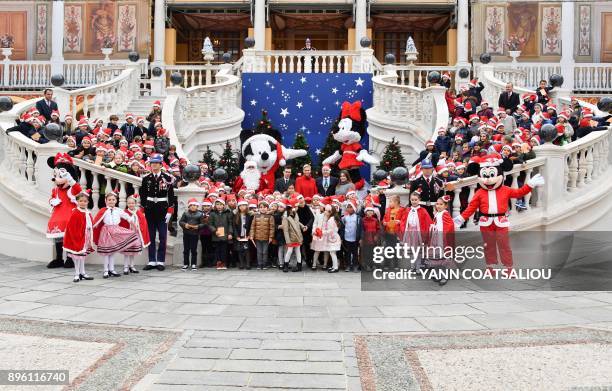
(536, 180)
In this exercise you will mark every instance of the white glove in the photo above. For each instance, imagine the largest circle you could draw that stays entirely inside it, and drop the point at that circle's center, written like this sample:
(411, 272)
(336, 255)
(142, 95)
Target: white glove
(55, 202)
(458, 221)
(168, 217)
(536, 180)
(66, 175)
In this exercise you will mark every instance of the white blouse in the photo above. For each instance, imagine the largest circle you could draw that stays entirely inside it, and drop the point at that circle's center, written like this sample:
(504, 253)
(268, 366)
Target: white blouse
(413, 218)
(113, 216)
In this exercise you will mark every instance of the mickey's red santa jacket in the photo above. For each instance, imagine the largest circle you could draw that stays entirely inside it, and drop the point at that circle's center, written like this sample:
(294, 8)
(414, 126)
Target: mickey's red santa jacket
(493, 205)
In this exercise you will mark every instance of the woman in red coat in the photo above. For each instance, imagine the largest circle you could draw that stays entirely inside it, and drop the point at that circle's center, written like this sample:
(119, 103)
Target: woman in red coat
(78, 238)
(140, 225)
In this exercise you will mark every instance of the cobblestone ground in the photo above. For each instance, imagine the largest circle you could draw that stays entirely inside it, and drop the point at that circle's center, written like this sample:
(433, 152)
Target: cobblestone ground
(267, 329)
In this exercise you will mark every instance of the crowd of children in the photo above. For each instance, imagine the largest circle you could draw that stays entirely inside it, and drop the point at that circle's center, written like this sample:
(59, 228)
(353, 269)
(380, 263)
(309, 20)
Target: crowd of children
(287, 229)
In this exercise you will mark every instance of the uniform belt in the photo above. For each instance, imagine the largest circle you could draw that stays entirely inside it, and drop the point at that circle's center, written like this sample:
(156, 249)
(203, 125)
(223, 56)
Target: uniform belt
(427, 203)
(493, 214)
(157, 199)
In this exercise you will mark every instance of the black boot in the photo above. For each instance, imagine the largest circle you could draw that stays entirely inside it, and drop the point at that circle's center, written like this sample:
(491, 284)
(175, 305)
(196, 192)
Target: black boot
(58, 261)
(285, 267)
(69, 264)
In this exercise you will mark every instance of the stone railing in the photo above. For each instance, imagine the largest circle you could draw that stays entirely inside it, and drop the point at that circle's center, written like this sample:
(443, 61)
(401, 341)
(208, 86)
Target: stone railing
(298, 61)
(101, 100)
(416, 75)
(593, 77)
(37, 74)
(515, 76)
(98, 179)
(467, 186)
(193, 75)
(494, 86)
(205, 115)
(586, 159)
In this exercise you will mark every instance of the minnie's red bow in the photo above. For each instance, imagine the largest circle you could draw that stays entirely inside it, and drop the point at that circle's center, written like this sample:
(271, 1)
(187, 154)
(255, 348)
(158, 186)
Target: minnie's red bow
(352, 110)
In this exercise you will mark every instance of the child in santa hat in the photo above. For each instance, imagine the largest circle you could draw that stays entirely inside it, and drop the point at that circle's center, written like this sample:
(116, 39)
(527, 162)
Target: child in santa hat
(441, 238)
(414, 227)
(371, 233)
(110, 237)
(78, 238)
(191, 222)
(221, 225)
(140, 225)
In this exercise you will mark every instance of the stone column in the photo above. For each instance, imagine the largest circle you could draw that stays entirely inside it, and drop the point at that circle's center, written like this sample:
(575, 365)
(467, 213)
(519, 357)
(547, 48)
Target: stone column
(567, 44)
(555, 188)
(463, 32)
(259, 24)
(361, 22)
(57, 39)
(159, 32)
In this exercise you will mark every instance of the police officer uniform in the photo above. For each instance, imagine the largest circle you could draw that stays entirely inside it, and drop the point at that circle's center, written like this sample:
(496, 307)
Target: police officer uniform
(430, 188)
(157, 195)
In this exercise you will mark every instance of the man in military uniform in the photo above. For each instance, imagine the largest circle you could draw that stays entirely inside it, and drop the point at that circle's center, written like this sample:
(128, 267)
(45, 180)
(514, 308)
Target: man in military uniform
(430, 187)
(157, 196)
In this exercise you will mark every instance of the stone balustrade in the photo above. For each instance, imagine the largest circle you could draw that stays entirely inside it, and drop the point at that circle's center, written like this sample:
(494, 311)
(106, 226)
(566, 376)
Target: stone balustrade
(101, 100)
(301, 61)
(416, 75)
(37, 74)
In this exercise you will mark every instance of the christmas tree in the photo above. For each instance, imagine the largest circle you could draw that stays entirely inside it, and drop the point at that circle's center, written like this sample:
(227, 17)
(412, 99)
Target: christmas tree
(209, 159)
(265, 126)
(229, 162)
(392, 157)
(331, 146)
(298, 163)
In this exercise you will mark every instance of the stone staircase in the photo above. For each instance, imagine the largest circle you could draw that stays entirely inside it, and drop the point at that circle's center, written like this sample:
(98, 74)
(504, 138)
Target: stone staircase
(141, 107)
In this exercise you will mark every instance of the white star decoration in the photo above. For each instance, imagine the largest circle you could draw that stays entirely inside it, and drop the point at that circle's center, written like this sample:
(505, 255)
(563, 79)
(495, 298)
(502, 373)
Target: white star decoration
(303, 128)
(253, 102)
(318, 151)
(359, 82)
(334, 90)
(299, 105)
(312, 96)
(267, 83)
(284, 112)
(303, 80)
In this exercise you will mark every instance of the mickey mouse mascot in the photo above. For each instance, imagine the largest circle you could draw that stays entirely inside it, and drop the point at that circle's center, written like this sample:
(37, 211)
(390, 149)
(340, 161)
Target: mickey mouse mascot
(351, 128)
(491, 200)
(268, 154)
(63, 201)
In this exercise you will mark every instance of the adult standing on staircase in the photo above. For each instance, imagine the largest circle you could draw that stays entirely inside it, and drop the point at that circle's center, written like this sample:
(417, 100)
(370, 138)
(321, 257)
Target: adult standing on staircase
(157, 196)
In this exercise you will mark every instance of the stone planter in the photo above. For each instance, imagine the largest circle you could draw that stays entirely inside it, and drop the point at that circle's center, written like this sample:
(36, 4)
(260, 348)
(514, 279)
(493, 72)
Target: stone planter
(107, 52)
(514, 54)
(6, 52)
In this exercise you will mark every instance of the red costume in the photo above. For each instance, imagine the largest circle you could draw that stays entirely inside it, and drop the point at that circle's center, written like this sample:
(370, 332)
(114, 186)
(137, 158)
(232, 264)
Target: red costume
(62, 211)
(349, 156)
(140, 223)
(442, 231)
(424, 222)
(389, 221)
(79, 233)
(493, 206)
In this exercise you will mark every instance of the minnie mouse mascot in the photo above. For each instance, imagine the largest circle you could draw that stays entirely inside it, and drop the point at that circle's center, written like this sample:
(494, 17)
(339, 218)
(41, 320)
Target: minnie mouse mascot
(491, 200)
(351, 127)
(63, 201)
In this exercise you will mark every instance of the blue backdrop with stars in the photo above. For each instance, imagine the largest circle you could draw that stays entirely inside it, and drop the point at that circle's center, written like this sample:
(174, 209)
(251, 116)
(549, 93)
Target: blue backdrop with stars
(307, 102)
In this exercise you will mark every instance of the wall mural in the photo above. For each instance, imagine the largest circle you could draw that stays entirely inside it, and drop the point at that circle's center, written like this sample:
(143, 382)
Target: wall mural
(126, 28)
(494, 30)
(522, 18)
(41, 29)
(551, 30)
(584, 40)
(100, 24)
(73, 28)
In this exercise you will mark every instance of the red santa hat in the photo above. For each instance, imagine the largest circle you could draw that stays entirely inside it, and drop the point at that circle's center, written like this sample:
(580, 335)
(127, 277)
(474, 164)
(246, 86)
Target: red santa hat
(382, 184)
(446, 75)
(473, 83)
(135, 147)
(140, 120)
(586, 113)
(116, 132)
(193, 201)
(55, 113)
(441, 168)
(500, 110)
(551, 107)
(429, 142)
(220, 200)
(508, 147)
(536, 138)
(484, 102)
(157, 103)
(468, 106)
(564, 114)
(62, 158)
(129, 115)
(460, 166)
(107, 131)
(253, 204)
(148, 144)
(474, 117)
(352, 204)
(490, 160)
(242, 201)
(369, 207)
(162, 132)
(206, 202)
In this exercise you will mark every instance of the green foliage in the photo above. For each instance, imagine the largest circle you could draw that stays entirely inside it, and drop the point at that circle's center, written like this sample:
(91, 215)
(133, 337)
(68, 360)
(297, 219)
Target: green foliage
(392, 157)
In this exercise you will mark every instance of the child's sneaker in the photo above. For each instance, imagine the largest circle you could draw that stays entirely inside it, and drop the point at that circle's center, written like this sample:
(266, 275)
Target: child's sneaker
(194, 267)
(184, 267)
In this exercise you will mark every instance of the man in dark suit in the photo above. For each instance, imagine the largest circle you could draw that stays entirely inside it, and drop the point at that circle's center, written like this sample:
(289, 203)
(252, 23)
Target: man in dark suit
(509, 99)
(46, 105)
(282, 184)
(430, 187)
(326, 184)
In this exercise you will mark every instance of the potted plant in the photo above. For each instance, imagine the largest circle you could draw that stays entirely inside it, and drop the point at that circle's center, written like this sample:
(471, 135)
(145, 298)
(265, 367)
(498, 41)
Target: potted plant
(108, 42)
(515, 44)
(6, 44)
